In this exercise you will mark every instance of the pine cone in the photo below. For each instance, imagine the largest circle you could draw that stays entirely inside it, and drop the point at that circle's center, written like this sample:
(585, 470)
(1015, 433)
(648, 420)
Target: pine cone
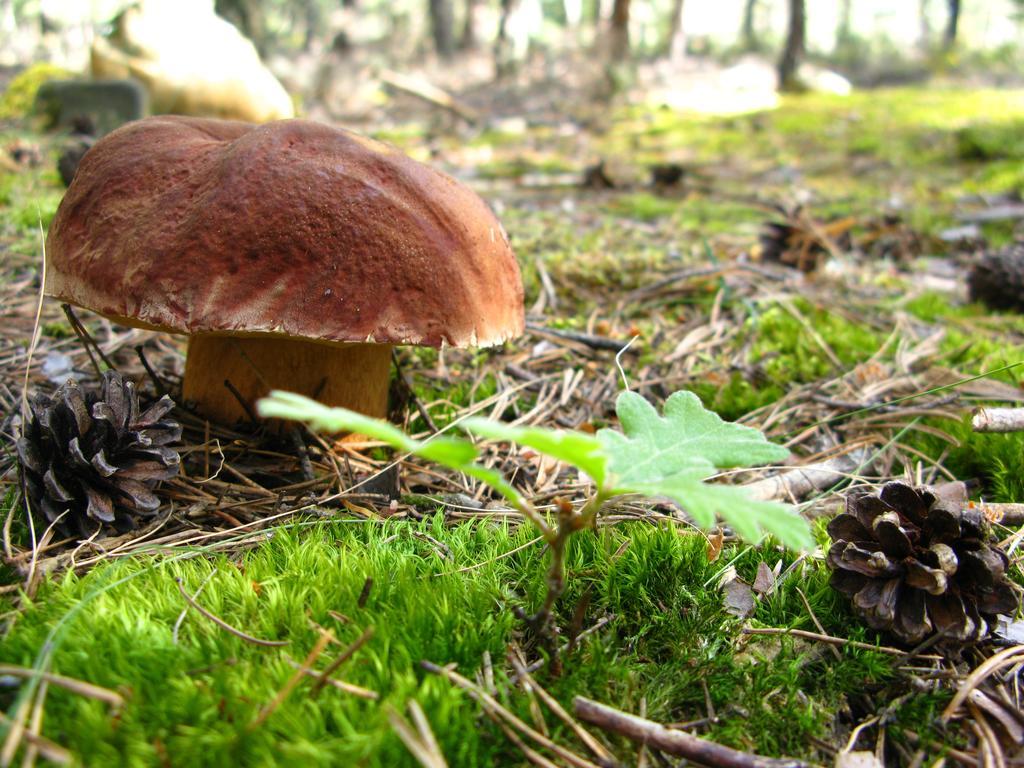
(997, 278)
(96, 458)
(789, 244)
(913, 565)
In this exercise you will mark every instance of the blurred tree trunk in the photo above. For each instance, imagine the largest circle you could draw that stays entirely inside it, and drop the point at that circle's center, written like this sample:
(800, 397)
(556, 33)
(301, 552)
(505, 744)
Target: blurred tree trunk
(314, 23)
(677, 35)
(748, 32)
(952, 22)
(247, 15)
(844, 35)
(793, 51)
(573, 13)
(470, 34)
(619, 49)
(442, 25)
(504, 59)
(924, 26)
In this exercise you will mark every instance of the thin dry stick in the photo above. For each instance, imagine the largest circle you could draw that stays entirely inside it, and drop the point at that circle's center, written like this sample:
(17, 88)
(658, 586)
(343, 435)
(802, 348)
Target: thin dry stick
(35, 726)
(672, 742)
(488, 702)
(344, 656)
(821, 638)
(50, 750)
(224, 625)
(595, 746)
(184, 611)
(273, 704)
(535, 757)
(423, 745)
(423, 726)
(80, 687)
(821, 629)
(15, 732)
(494, 559)
(1006, 657)
(341, 685)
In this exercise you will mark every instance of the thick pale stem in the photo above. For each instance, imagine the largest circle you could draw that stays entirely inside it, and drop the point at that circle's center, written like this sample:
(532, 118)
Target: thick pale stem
(353, 376)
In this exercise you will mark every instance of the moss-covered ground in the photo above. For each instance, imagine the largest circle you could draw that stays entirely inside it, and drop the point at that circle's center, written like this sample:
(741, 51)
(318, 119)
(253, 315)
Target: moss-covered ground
(450, 592)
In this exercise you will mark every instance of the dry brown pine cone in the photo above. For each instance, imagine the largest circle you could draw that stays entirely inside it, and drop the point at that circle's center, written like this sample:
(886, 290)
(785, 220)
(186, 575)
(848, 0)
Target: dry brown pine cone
(90, 459)
(997, 278)
(914, 566)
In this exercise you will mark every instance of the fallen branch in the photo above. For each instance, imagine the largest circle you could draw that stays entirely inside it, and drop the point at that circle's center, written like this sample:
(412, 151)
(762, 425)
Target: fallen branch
(587, 339)
(431, 94)
(798, 482)
(673, 742)
(998, 420)
(1005, 212)
(1004, 514)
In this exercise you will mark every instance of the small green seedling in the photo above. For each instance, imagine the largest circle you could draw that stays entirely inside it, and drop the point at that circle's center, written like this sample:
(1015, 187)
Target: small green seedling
(669, 455)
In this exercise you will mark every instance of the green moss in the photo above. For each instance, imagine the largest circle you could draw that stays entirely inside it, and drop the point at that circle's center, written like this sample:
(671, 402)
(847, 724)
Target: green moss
(996, 460)
(736, 397)
(19, 97)
(787, 351)
(36, 212)
(643, 206)
(195, 695)
(987, 141)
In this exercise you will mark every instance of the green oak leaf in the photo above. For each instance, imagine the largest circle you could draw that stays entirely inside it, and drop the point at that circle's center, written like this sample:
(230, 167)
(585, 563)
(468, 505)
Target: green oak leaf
(688, 440)
(750, 518)
(670, 455)
(577, 448)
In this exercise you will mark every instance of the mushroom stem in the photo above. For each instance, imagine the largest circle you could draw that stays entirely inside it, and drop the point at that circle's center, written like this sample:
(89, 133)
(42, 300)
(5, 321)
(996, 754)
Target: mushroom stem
(353, 376)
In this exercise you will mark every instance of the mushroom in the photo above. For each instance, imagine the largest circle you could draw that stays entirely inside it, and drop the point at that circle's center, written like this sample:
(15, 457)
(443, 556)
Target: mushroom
(292, 253)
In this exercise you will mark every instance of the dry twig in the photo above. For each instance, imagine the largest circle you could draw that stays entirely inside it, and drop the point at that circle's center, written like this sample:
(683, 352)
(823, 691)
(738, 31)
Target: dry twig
(672, 742)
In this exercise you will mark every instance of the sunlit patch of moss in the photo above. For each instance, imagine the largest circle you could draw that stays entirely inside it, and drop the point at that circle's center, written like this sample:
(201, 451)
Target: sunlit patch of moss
(707, 216)
(58, 329)
(787, 352)
(971, 351)
(515, 167)
(991, 141)
(997, 176)
(931, 306)
(17, 100)
(405, 136)
(38, 211)
(643, 206)
(997, 460)
(734, 398)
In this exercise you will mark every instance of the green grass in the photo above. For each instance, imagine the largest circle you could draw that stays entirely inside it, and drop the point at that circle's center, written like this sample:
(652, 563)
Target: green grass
(194, 699)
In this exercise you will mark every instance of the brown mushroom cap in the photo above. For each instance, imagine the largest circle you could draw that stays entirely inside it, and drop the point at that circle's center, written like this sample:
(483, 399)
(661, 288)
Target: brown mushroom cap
(291, 228)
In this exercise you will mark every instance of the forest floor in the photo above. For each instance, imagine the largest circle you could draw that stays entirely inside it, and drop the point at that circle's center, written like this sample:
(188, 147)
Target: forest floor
(870, 353)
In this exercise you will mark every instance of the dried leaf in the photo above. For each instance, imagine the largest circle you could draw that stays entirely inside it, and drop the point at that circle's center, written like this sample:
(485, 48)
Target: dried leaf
(715, 540)
(764, 580)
